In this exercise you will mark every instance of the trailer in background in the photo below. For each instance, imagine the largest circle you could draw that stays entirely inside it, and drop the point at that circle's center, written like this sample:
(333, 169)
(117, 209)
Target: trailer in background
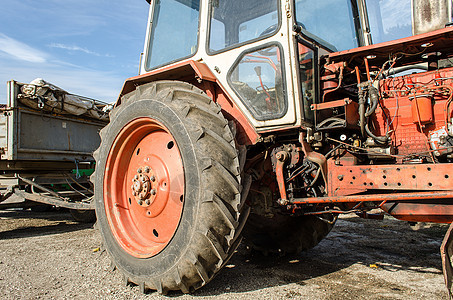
(47, 137)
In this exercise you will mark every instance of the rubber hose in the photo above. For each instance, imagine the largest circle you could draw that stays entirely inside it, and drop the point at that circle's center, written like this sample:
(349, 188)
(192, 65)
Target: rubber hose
(362, 112)
(374, 99)
(378, 139)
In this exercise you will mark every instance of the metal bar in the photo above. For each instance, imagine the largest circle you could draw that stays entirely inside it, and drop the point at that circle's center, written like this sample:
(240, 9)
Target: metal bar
(54, 201)
(282, 156)
(75, 119)
(437, 195)
(26, 150)
(55, 194)
(330, 104)
(446, 251)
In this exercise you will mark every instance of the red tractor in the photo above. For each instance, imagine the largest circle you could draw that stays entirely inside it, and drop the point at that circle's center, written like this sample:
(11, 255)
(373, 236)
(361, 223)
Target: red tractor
(268, 119)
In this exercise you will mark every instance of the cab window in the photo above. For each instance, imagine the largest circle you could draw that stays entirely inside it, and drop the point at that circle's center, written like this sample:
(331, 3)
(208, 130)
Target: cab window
(258, 79)
(174, 31)
(333, 21)
(234, 23)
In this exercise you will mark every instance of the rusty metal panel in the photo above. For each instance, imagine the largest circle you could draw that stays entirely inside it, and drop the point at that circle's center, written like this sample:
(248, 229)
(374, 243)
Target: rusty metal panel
(421, 212)
(347, 180)
(55, 138)
(430, 15)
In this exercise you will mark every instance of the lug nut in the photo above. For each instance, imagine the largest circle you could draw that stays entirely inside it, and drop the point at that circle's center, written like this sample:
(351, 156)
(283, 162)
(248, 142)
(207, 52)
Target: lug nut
(136, 177)
(153, 178)
(139, 170)
(146, 170)
(148, 202)
(140, 202)
(153, 191)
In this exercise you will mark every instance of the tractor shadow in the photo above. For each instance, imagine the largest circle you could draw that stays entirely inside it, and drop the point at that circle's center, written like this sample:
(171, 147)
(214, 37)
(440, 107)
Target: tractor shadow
(390, 245)
(38, 223)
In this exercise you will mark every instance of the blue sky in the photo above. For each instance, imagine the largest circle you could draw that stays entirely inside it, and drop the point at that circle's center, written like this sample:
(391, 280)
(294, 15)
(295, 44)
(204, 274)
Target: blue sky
(86, 47)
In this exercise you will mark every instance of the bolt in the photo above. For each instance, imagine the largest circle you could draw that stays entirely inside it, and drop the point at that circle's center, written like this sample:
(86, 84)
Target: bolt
(136, 177)
(153, 191)
(148, 202)
(146, 169)
(282, 201)
(153, 178)
(139, 170)
(282, 156)
(140, 202)
(340, 177)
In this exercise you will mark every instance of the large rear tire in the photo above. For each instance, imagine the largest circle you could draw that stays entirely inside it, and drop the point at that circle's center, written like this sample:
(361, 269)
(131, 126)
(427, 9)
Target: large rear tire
(284, 234)
(167, 188)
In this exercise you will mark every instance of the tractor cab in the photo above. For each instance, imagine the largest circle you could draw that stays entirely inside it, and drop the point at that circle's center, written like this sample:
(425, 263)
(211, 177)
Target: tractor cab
(266, 54)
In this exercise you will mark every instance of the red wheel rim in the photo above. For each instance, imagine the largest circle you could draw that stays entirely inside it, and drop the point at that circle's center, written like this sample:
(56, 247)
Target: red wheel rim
(144, 187)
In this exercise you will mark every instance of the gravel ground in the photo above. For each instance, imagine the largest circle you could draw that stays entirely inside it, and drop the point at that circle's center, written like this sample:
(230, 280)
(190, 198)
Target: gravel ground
(48, 256)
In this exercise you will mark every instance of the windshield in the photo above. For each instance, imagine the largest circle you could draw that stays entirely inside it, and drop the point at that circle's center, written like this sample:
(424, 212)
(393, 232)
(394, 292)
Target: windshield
(389, 19)
(174, 31)
(236, 22)
(329, 20)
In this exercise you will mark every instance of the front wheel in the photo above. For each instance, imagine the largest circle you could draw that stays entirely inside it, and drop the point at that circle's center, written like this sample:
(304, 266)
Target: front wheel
(83, 216)
(167, 188)
(284, 234)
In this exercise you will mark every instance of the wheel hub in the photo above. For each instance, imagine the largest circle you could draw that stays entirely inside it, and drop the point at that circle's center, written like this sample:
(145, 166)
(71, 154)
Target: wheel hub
(144, 186)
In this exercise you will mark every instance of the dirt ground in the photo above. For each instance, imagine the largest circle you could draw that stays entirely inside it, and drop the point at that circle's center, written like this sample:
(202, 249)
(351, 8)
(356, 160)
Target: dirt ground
(49, 256)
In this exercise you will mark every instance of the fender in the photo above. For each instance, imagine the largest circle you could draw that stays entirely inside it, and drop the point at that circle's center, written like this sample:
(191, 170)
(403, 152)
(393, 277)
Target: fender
(198, 74)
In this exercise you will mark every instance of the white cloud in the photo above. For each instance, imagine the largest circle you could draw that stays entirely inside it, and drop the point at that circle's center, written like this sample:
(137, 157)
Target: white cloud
(21, 51)
(77, 48)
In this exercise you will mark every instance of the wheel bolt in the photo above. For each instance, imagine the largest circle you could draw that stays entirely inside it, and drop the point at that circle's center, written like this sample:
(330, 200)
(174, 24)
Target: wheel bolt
(148, 202)
(146, 169)
(136, 177)
(140, 202)
(153, 191)
(139, 170)
(153, 178)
